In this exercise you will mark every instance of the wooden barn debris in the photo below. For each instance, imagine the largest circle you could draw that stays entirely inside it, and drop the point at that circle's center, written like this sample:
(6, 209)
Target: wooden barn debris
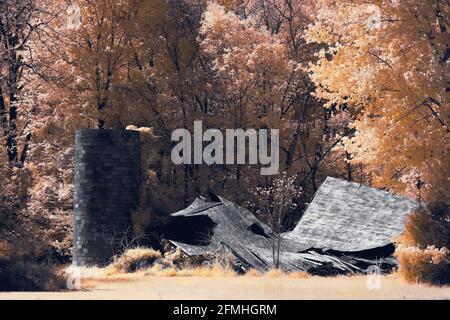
(346, 228)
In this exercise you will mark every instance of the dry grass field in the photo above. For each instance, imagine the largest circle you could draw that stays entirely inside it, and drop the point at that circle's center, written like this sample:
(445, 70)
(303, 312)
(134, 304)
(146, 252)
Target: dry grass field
(211, 285)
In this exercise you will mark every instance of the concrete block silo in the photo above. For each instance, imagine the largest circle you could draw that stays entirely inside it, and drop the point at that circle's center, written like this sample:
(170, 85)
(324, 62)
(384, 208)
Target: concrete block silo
(107, 170)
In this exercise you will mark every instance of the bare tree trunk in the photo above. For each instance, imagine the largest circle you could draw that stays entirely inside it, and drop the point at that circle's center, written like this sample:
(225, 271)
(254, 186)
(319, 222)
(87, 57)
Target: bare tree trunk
(276, 243)
(3, 114)
(13, 70)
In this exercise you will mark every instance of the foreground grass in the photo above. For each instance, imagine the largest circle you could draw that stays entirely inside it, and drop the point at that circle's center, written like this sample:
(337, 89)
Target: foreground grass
(151, 284)
(216, 270)
(143, 273)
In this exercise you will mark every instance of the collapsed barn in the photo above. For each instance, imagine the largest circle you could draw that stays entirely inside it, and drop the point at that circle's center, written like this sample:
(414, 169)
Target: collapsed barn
(345, 229)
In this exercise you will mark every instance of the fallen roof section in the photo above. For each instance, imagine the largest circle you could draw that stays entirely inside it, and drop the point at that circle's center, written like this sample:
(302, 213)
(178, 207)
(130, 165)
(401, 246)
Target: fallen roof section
(346, 228)
(350, 217)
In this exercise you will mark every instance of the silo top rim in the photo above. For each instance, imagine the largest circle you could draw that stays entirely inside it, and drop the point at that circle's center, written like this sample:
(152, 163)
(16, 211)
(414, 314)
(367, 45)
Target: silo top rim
(105, 131)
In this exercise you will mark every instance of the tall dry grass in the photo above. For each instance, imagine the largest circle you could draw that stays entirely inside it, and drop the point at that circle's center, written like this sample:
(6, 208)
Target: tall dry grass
(134, 259)
(16, 275)
(19, 272)
(148, 262)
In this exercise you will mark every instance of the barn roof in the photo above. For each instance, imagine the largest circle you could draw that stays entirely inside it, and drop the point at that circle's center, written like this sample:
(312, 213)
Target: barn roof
(344, 221)
(348, 216)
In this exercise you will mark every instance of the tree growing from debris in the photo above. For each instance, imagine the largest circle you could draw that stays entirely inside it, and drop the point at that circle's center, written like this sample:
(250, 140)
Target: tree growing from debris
(276, 200)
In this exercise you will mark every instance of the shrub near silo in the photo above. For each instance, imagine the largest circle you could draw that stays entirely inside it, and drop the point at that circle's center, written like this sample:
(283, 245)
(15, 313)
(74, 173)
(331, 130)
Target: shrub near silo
(423, 249)
(134, 259)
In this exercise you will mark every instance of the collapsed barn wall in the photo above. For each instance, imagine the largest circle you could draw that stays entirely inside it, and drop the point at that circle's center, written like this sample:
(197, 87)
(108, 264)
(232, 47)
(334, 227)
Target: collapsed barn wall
(106, 191)
(346, 228)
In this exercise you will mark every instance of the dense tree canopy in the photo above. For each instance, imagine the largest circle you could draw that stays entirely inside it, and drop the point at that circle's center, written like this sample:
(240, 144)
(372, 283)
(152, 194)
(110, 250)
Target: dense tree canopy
(388, 61)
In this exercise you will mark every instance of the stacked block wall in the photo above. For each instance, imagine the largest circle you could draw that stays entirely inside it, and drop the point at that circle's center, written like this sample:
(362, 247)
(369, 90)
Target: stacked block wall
(106, 191)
